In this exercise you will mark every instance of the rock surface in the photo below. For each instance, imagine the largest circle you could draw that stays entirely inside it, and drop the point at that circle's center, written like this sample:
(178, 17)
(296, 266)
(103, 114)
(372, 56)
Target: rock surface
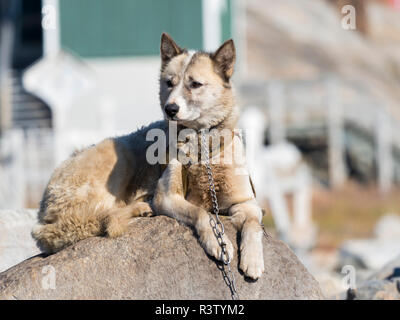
(157, 259)
(377, 290)
(381, 285)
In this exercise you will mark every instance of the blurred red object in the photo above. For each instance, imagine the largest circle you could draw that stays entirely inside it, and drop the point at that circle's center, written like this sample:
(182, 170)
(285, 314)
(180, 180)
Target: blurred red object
(395, 4)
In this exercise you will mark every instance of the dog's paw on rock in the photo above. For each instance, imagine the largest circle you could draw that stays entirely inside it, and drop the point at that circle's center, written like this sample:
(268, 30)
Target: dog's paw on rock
(251, 263)
(210, 244)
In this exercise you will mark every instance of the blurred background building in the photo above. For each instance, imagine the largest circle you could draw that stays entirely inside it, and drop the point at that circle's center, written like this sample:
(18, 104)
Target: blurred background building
(76, 72)
(321, 96)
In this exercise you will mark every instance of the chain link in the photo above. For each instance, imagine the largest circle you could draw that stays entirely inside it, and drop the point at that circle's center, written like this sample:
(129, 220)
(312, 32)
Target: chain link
(217, 225)
(264, 231)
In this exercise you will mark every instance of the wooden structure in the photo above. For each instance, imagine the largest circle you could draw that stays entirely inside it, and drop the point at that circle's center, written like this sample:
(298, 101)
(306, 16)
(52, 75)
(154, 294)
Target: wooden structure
(358, 136)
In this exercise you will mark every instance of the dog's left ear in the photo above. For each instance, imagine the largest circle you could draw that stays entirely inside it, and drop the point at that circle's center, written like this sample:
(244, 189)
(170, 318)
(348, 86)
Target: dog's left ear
(224, 59)
(168, 48)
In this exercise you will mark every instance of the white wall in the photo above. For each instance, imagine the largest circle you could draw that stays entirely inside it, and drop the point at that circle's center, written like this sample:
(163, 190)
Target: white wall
(125, 96)
(123, 99)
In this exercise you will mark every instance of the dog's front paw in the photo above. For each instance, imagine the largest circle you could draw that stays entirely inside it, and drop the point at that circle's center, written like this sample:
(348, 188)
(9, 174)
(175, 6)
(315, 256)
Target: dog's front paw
(251, 259)
(210, 244)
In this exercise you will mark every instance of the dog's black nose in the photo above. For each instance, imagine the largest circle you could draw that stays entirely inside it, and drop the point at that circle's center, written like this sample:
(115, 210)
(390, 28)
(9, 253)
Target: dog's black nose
(171, 109)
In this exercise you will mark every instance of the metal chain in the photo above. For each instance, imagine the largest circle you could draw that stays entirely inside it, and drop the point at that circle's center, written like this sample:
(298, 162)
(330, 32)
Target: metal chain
(217, 225)
(264, 231)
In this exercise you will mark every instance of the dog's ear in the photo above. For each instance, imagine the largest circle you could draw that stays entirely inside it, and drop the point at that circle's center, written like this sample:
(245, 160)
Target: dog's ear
(224, 59)
(168, 48)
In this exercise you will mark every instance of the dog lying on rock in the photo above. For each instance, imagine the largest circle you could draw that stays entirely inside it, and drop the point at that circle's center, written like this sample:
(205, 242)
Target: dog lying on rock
(98, 190)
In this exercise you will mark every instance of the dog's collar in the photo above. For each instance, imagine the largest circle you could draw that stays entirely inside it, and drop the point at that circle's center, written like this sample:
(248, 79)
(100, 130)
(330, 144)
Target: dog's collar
(218, 149)
(213, 150)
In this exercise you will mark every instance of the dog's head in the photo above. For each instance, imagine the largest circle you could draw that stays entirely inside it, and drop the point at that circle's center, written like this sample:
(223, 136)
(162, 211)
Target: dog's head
(195, 87)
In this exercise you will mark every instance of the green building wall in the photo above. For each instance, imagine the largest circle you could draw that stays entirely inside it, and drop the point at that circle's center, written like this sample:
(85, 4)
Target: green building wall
(107, 28)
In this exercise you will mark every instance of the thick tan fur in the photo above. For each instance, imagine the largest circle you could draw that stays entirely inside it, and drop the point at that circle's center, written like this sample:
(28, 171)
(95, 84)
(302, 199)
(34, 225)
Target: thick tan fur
(100, 189)
(97, 191)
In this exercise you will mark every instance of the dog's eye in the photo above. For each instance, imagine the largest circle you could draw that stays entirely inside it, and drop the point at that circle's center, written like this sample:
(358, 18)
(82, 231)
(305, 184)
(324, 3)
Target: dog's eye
(169, 83)
(195, 84)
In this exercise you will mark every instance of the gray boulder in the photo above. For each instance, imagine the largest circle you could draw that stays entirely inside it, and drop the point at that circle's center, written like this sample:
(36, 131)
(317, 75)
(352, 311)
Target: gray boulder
(382, 285)
(157, 259)
(377, 290)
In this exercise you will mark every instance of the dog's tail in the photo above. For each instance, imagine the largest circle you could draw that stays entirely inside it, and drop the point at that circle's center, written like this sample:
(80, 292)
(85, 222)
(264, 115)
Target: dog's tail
(69, 228)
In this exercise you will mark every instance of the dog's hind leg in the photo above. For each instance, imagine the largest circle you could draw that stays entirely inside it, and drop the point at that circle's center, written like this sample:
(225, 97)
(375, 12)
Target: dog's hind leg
(85, 222)
(118, 219)
(71, 225)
